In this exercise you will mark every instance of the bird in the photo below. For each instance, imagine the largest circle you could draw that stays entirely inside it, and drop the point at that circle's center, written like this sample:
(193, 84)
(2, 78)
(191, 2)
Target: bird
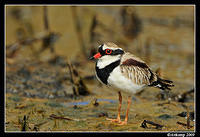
(125, 72)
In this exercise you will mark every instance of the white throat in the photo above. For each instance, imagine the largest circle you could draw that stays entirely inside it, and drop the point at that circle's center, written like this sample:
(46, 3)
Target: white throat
(106, 60)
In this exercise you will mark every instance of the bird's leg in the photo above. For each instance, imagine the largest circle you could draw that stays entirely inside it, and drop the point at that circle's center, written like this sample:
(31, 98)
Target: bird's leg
(128, 107)
(119, 109)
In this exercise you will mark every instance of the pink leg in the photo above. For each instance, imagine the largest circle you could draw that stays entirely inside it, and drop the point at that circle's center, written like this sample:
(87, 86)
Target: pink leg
(128, 108)
(119, 109)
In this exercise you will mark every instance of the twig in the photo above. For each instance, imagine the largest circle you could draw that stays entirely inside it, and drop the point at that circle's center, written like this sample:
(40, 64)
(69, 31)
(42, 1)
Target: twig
(92, 28)
(145, 122)
(75, 91)
(13, 48)
(94, 36)
(46, 23)
(49, 40)
(78, 30)
(188, 118)
(24, 123)
(79, 88)
(61, 117)
(131, 23)
(89, 77)
(183, 124)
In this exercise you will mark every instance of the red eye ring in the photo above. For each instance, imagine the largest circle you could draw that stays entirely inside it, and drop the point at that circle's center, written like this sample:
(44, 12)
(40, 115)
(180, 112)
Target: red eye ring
(108, 51)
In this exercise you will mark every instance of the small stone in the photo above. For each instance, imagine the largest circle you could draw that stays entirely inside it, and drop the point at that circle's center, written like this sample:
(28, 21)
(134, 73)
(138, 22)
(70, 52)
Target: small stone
(165, 117)
(184, 114)
(51, 96)
(103, 114)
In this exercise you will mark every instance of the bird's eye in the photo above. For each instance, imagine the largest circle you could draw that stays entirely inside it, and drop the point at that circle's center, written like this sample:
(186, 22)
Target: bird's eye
(108, 51)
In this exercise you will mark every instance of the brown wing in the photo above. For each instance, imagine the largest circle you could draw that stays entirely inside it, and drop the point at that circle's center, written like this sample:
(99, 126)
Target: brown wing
(137, 70)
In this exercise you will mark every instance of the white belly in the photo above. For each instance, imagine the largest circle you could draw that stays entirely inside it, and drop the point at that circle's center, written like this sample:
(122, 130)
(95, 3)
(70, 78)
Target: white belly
(120, 82)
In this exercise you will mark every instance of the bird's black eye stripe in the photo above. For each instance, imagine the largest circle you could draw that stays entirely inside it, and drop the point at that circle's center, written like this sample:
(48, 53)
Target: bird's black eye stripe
(117, 52)
(114, 52)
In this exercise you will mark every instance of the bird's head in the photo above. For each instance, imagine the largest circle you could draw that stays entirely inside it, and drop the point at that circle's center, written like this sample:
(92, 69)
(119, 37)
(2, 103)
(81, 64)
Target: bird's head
(108, 49)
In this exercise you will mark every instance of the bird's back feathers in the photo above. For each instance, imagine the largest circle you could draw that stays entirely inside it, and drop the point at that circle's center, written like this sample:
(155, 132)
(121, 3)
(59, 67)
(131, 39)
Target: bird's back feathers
(140, 73)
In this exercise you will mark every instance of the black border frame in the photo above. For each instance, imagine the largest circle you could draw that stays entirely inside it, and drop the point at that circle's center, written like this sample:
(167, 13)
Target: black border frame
(111, 2)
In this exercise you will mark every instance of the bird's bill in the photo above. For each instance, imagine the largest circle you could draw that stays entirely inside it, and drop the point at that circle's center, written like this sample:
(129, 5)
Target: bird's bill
(96, 56)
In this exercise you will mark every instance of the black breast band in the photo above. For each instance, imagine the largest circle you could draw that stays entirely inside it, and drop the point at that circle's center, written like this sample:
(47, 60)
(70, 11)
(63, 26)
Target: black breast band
(104, 73)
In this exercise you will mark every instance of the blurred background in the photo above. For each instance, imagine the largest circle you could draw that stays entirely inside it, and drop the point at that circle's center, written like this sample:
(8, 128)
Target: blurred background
(49, 77)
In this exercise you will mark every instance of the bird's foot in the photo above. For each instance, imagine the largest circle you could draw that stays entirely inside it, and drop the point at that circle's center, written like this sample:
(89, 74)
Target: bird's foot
(122, 123)
(117, 120)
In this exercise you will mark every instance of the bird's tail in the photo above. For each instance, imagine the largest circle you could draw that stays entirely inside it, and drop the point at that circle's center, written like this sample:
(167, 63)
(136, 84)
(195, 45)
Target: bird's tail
(164, 84)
